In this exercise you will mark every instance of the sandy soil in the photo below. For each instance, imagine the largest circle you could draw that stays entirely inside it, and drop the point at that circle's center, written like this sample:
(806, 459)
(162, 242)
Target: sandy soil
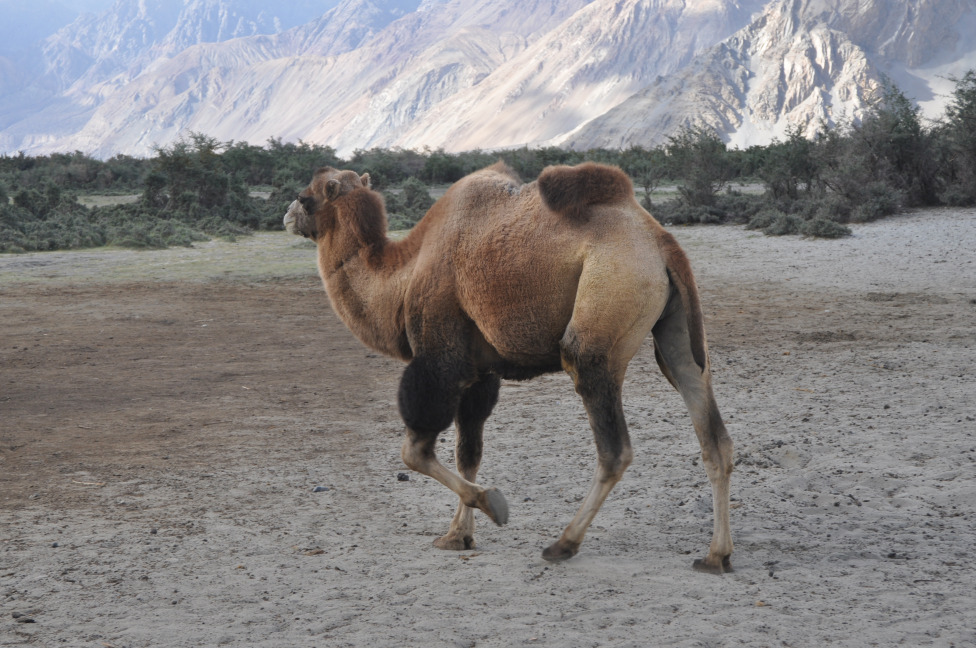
(166, 417)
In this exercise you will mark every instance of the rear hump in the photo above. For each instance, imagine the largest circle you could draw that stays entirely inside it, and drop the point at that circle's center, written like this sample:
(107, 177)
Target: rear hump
(572, 190)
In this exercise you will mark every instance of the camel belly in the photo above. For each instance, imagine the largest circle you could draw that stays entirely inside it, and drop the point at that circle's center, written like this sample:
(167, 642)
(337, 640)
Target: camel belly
(522, 321)
(524, 336)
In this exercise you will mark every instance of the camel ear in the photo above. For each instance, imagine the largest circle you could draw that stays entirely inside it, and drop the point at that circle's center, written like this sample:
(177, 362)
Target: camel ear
(332, 189)
(365, 180)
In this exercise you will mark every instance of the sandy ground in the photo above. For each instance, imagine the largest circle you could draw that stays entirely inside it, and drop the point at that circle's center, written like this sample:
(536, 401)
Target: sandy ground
(166, 416)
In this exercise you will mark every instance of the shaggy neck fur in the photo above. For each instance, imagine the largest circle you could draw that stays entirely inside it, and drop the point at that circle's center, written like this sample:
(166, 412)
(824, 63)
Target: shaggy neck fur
(363, 271)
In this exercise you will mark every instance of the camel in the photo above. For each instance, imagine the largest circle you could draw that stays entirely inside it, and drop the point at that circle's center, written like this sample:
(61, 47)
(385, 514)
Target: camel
(504, 280)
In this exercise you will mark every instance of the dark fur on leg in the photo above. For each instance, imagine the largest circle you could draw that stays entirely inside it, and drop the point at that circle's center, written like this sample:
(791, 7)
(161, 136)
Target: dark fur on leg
(430, 393)
(479, 399)
(602, 396)
(476, 405)
(600, 391)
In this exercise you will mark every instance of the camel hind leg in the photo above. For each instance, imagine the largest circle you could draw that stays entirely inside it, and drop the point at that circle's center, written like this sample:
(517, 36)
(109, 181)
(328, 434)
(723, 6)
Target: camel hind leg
(673, 348)
(476, 404)
(599, 387)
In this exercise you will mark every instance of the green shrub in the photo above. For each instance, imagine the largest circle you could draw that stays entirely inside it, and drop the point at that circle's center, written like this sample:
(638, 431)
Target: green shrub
(824, 228)
(958, 195)
(701, 160)
(957, 139)
(47, 220)
(407, 204)
(878, 200)
(221, 227)
(729, 207)
(764, 219)
(678, 212)
(830, 207)
(783, 225)
(148, 233)
(739, 208)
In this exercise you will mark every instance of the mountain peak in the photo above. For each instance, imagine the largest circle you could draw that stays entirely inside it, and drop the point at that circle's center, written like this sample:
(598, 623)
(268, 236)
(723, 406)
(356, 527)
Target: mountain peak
(474, 73)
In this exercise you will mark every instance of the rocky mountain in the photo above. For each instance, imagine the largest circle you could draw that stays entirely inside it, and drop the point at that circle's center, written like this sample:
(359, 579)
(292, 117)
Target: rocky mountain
(130, 36)
(801, 63)
(52, 90)
(463, 74)
(598, 58)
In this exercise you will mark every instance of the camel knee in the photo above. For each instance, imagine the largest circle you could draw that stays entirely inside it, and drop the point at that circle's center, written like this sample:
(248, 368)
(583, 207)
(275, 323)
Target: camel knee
(716, 444)
(409, 456)
(416, 453)
(626, 458)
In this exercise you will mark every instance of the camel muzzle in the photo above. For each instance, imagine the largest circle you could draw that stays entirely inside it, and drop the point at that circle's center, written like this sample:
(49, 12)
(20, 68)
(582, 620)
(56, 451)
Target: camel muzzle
(296, 214)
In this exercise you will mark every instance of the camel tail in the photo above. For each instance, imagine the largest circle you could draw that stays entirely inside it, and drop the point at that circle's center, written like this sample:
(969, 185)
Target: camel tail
(570, 191)
(686, 292)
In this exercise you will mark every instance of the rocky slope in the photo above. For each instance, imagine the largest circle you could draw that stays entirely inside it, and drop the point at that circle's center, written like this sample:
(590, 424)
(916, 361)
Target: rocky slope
(800, 63)
(603, 54)
(54, 89)
(463, 74)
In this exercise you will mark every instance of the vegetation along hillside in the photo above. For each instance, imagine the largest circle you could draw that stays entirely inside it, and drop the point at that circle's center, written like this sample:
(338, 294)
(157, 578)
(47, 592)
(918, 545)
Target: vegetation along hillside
(200, 187)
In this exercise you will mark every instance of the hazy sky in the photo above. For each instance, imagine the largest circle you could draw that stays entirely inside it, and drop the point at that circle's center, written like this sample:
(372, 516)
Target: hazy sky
(93, 6)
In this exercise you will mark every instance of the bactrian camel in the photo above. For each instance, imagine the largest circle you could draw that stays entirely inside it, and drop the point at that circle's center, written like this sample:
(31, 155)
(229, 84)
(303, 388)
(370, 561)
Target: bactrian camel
(504, 280)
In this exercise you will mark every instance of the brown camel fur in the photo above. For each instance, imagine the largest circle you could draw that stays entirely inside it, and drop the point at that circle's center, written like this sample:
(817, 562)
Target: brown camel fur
(505, 280)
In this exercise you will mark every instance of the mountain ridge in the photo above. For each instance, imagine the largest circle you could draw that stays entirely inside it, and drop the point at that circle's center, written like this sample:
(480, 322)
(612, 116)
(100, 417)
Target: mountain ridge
(459, 75)
(798, 65)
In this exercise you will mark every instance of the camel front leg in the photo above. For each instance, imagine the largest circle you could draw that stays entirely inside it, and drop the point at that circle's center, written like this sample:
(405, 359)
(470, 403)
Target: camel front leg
(475, 407)
(418, 454)
(430, 396)
(460, 537)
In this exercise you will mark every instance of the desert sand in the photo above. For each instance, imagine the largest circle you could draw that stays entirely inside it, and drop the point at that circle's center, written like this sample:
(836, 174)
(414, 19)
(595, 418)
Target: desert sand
(195, 452)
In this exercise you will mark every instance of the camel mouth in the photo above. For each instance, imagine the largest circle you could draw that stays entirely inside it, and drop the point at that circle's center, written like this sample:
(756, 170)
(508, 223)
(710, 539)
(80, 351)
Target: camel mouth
(296, 214)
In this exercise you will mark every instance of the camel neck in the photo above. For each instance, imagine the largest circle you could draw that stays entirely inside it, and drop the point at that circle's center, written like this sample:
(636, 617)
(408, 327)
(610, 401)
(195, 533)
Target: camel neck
(368, 296)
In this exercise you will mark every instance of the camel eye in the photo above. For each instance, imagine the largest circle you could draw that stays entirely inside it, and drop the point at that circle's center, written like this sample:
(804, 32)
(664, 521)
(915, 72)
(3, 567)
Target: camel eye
(308, 204)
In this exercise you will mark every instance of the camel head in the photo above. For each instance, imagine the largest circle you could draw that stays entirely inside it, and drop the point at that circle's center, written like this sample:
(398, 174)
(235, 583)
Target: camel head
(327, 185)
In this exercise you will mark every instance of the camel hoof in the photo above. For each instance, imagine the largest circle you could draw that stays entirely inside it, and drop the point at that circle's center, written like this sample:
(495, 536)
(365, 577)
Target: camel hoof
(495, 506)
(452, 542)
(559, 551)
(706, 566)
